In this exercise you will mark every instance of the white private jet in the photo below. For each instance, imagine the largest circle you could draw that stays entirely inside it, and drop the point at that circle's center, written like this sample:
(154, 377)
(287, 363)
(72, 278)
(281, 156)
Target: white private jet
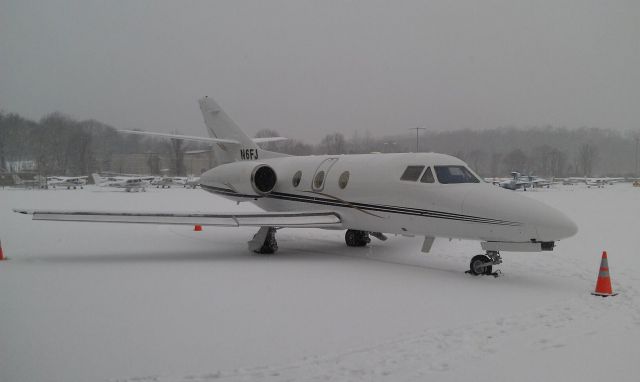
(425, 194)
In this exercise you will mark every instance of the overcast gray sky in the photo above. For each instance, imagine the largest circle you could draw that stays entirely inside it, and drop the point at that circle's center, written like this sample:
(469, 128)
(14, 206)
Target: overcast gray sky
(311, 68)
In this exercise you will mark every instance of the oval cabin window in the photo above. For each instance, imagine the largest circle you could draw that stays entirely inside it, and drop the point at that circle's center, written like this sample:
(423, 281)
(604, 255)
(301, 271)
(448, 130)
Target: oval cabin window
(318, 180)
(296, 178)
(343, 180)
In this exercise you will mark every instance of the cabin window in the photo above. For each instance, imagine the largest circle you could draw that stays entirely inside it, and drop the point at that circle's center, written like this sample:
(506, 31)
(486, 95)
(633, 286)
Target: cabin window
(455, 174)
(318, 180)
(412, 173)
(343, 180)
(296, 178)
(427, 177)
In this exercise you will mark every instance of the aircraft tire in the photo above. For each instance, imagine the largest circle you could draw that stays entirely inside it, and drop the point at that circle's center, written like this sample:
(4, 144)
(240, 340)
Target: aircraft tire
(476, 268)
(355, 238)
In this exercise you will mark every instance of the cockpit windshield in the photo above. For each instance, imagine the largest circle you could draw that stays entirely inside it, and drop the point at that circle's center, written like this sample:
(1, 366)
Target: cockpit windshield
(455, 174)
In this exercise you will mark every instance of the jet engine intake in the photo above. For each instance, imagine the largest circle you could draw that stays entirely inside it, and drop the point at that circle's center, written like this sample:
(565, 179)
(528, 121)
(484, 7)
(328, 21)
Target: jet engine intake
(246, 179)
(263, 179)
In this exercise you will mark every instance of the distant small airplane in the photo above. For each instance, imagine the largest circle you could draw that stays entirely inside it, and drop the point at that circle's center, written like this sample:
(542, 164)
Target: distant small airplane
(128, 183)
(593, 182)
(70, 182)
(163, 182)
(191, 182)
(168, 181)
(519, 181)
(423, 194)
(37, 181)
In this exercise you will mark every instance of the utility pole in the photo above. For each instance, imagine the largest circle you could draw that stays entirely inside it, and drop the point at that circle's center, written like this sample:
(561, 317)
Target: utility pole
(637, 142)
(417, 129)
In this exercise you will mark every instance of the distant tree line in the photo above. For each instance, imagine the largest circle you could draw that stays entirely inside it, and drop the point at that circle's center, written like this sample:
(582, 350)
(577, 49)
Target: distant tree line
(543, 151)
(61, 145)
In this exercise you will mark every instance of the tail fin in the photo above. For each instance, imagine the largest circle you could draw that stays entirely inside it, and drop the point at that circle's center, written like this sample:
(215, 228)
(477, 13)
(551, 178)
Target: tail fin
(220, 126)
(97, 179)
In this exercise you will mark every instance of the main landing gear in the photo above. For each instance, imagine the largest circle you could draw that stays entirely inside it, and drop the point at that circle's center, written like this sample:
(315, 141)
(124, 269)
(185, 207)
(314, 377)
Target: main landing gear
(264, 241)
(483, 264)
(355, 238)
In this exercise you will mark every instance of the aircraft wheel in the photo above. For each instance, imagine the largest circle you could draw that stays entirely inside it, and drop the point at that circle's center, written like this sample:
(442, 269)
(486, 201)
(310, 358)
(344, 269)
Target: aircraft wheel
(478, 267)
(355, 238)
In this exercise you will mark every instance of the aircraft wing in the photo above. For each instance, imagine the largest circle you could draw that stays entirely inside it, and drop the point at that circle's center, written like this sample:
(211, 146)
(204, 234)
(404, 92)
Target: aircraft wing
(309, 219)
(182, 137)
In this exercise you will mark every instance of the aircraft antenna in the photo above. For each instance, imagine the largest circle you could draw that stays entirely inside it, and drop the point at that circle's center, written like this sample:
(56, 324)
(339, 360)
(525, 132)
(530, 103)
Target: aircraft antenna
(417, 129)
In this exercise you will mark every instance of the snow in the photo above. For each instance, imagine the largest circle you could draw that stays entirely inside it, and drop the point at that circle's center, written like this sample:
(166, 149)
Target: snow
(111, 302)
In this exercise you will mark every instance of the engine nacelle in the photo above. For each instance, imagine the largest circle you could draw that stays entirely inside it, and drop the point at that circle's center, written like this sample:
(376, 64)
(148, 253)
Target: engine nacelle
(245, 178)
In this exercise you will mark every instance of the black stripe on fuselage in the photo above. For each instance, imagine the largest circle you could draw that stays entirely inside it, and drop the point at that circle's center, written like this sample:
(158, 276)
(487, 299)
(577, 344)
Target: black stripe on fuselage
(363, 206)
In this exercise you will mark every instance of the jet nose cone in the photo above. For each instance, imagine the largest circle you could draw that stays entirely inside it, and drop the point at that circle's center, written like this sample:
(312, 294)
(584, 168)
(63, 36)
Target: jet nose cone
(567, 228)
(556, 226)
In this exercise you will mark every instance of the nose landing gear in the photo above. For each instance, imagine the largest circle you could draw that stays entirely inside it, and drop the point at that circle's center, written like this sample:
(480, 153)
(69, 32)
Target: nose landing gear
(483, 264)
(355, 238)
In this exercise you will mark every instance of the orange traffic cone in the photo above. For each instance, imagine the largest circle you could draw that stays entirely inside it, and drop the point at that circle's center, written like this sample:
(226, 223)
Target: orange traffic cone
(1, 253)
(197, 227)
(603, 286)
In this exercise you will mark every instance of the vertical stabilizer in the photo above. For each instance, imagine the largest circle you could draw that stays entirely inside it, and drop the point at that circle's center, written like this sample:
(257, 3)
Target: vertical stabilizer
(219, 125)
(97, 179)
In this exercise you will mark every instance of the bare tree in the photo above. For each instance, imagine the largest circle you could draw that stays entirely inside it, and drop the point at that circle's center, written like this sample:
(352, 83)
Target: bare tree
(516, 160)
(540, 160)
(494, 166)
(177, 150)
(333, 144)
(153, 161)
(587, 157)
(477, 160)
(558, 160)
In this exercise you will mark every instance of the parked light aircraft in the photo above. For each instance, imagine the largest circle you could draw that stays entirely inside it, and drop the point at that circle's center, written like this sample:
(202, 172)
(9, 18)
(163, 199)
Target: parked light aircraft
(592, 182)
(168, 181)
(519, 181)
(37, 181)
(425, 194)
(128, 183)
(67, 181)
(163, 182)
(191, 182)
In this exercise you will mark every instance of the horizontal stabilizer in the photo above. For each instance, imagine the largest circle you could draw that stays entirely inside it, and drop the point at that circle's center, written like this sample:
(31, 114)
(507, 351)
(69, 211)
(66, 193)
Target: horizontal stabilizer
(256, 219)
(269, 139)
(182, 137)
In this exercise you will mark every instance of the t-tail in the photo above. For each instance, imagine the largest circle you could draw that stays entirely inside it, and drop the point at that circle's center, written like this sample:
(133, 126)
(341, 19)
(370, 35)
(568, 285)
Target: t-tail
(220, 126)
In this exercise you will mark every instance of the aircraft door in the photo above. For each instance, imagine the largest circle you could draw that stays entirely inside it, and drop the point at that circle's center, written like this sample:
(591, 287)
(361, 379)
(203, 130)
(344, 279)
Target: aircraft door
(320, 176)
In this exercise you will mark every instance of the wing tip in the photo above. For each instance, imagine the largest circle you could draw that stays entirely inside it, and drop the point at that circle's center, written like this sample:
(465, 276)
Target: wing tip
(23, 211)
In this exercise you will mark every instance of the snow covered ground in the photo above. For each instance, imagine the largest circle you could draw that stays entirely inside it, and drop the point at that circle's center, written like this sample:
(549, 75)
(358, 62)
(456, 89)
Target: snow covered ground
(109, 302)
